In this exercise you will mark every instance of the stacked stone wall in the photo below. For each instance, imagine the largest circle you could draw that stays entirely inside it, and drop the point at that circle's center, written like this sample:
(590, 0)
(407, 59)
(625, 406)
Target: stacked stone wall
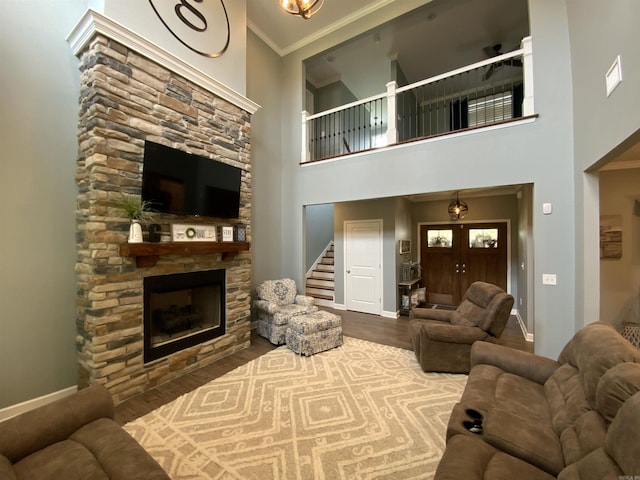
(126, 99)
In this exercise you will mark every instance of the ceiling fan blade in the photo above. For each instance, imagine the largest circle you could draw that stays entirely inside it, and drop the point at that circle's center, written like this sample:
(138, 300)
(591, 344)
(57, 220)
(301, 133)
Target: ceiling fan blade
(493, 50)
(488, 73)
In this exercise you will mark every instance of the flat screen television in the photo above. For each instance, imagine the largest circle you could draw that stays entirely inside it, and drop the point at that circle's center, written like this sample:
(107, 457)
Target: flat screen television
(182, 183)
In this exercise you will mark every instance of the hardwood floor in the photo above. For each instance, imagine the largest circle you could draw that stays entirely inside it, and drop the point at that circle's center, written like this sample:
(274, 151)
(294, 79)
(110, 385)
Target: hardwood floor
(387, 331)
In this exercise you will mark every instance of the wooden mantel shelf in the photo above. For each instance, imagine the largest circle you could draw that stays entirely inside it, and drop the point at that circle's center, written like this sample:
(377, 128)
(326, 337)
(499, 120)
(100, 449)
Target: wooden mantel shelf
(147, 253)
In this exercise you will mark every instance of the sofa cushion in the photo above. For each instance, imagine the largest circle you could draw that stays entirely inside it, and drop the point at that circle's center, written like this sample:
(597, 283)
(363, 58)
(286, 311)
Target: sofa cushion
(120, 456)
(524, 437)
(616, 387)
(25, 434)
(596, 465)
(517, 416)
(67, 459)
(472, 459)
(482, 293)
(6, 469)
(285, 312)
(586, 434)
(566, 396)
(280, 292)
(623, 437)
(593, 351)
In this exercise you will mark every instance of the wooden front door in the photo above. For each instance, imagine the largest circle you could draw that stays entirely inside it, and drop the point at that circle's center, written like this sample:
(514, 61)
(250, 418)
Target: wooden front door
(453, 256)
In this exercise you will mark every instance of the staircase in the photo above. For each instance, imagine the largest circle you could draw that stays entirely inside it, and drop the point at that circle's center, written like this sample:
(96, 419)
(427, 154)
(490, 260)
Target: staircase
(320, 280)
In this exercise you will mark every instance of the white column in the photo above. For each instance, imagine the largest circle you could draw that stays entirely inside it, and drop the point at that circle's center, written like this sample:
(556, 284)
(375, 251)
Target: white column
(527, 72)
(392, 130)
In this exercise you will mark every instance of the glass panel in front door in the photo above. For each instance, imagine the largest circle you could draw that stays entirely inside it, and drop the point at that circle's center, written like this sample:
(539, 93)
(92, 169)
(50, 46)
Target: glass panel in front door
(440, 238)
(483, 238)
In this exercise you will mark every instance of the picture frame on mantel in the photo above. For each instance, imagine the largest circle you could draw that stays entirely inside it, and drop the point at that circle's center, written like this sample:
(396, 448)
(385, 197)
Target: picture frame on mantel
(181, 232)
(240, 233)
(225, 233)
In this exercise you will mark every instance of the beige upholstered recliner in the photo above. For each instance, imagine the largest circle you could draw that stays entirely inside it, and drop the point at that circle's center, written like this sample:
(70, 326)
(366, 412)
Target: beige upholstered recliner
(442, 339)
(278, 301)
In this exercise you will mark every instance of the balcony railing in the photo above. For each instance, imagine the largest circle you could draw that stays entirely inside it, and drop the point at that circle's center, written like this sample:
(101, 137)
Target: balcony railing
(482, 94)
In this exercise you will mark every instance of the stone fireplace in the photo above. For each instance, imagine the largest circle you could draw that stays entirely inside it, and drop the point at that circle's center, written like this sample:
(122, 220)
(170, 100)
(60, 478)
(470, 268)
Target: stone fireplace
(138, 323)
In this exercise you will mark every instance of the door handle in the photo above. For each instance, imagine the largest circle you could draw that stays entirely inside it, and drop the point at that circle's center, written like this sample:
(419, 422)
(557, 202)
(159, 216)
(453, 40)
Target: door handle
(348, 271)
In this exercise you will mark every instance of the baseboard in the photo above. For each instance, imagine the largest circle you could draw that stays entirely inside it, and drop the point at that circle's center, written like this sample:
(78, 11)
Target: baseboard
(320, 302)
(19, 408)
(385, 314)
(527, 336)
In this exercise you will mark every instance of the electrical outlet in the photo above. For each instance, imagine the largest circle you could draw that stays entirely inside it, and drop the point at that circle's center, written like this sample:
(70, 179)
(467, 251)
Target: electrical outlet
(549, 279)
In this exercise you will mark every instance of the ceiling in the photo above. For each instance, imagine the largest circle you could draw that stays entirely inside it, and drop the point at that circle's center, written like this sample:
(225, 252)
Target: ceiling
(438, 36)
(435, 37)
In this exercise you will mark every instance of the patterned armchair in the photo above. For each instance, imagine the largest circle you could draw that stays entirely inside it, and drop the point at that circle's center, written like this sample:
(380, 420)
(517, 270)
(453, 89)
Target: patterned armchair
(277, 302)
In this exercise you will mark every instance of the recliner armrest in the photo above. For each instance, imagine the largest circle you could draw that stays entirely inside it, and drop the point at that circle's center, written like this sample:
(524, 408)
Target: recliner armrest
(432, 314)
(444, 332)
(524, 364)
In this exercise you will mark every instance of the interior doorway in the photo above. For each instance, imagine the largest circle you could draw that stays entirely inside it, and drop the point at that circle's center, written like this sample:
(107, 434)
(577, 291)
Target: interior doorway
(453, 256)
(363, 266)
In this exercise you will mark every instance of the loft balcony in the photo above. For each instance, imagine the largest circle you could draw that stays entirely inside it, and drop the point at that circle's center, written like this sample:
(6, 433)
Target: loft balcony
(488, 93)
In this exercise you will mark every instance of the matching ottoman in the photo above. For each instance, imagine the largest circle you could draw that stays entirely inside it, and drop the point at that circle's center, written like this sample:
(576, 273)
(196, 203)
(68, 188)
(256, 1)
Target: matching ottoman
(314, 332)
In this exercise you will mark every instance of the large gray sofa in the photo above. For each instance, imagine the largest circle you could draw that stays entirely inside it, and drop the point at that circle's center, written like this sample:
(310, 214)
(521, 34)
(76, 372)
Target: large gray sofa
(74, 438)
(574, 418)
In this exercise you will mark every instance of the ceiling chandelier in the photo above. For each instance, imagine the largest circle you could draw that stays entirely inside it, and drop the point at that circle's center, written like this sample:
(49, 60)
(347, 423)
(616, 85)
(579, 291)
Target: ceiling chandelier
(303, 8)
(457, 209)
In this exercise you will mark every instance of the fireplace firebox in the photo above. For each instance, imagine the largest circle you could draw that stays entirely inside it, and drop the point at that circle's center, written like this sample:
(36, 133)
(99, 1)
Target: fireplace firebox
(182, 310)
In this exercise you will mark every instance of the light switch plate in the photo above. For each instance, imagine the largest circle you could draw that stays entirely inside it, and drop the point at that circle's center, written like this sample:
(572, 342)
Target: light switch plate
(549, 279)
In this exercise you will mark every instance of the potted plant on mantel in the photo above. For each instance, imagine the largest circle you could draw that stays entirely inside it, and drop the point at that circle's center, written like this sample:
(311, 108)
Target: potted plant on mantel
(137, 210)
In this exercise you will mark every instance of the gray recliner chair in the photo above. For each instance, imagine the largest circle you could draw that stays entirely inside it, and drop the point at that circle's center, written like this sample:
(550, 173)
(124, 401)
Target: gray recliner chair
(442, 339)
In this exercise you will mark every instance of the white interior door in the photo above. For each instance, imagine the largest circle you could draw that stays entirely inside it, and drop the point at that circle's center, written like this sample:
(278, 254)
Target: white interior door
(363, 266)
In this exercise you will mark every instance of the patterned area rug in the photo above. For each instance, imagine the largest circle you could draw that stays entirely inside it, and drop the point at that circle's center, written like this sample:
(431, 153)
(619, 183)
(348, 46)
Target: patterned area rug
(362, 410)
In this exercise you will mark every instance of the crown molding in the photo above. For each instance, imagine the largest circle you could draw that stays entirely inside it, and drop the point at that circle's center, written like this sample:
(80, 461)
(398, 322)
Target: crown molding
(92, 23)
(363, 12)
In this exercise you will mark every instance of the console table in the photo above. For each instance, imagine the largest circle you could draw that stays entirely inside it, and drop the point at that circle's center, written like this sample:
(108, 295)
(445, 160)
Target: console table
(405, 289)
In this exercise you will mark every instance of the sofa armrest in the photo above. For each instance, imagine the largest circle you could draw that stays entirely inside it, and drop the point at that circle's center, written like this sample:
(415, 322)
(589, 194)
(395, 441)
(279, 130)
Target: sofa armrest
(34, 430)
(304, 300)
(444, 332)
(432, 314)
(524, 364)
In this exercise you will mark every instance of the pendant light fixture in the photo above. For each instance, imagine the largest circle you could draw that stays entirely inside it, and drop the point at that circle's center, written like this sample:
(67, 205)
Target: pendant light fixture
(457, 209)
(302, 8)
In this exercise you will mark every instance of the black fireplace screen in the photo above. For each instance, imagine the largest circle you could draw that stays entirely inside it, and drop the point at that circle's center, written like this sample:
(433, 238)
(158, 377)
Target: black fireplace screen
(182, 310)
